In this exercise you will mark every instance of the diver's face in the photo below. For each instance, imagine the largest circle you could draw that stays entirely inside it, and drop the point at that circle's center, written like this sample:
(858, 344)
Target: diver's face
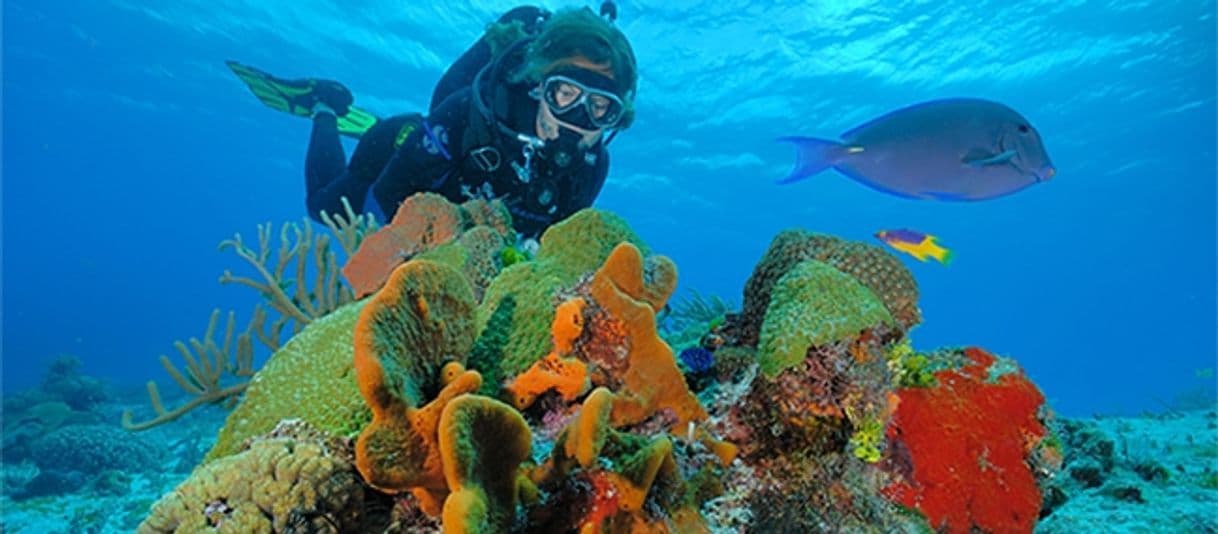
(548, 125)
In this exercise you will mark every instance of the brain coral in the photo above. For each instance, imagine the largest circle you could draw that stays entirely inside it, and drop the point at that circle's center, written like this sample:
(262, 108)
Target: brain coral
(876, 269)
(811, 305)
(311, 377)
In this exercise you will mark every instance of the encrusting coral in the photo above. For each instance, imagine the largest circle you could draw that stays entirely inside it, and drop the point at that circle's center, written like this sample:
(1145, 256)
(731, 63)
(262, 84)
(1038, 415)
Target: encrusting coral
(879, 271)
(311, 378)
(477, 254)
(965, 446)
(813, 305)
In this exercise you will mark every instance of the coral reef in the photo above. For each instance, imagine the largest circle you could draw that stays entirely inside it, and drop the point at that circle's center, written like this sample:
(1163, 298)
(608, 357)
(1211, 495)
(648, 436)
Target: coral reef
(478, 254)
(64, 381)
(65, 397)
(91, 449)
(523, 297)
(810, 306)
(494, 392)
(618, 471)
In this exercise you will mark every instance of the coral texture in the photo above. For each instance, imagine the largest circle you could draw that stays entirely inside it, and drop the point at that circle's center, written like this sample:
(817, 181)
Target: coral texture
(812, 305)
(310, 378)
(569, 250)
(876, 269)
(967, 441)
(92, 449)
(424, 222)
(286, 482)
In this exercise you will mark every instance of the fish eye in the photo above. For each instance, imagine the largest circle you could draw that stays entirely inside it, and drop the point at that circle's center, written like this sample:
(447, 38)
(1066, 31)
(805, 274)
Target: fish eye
(1023, 128)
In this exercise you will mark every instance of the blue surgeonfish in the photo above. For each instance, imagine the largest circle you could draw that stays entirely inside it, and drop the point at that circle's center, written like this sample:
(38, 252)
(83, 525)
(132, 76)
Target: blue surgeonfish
(954, 149)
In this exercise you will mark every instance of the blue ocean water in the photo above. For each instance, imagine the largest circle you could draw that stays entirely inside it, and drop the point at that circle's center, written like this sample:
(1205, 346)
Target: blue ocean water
(130, 151)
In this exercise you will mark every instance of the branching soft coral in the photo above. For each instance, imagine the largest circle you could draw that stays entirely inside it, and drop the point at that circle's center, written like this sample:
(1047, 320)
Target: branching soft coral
(207, 363)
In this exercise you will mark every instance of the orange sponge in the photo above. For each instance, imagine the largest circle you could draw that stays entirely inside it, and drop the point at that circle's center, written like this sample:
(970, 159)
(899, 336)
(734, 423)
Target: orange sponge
(652, 380)
(567, 376)
(568, 324)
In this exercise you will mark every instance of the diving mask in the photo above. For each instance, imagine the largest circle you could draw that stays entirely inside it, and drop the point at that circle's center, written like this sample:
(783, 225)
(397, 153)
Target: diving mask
(580, 102)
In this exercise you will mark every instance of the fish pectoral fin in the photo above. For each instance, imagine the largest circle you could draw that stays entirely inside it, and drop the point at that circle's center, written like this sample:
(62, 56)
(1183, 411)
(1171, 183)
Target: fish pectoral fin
(982, 158)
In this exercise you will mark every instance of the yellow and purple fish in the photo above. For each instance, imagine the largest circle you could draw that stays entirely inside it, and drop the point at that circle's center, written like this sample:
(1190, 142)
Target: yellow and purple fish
(959, 149)
(916, 244)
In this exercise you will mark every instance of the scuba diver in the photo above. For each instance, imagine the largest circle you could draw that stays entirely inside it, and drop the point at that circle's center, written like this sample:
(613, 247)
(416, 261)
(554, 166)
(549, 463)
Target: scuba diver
(524, 116)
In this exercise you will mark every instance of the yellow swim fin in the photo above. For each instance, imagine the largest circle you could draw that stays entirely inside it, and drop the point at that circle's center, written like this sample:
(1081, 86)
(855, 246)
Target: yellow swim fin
(297, 97)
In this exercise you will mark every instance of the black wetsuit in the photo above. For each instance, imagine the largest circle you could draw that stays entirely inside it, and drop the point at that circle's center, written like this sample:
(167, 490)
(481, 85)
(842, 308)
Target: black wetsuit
(402, 155)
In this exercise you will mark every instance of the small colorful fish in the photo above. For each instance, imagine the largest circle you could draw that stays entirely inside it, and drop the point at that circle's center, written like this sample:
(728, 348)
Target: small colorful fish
(916, 244)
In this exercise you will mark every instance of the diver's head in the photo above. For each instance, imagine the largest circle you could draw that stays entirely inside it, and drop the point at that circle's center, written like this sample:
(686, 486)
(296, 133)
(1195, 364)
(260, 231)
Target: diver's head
(584, 73)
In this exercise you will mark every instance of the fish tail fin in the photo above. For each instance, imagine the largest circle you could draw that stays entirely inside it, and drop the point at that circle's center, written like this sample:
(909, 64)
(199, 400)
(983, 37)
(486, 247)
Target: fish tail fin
(812, 156)
(945, 256)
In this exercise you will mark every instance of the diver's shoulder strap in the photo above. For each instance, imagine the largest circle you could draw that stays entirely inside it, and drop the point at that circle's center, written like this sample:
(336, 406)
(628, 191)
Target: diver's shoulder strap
(482, 142)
